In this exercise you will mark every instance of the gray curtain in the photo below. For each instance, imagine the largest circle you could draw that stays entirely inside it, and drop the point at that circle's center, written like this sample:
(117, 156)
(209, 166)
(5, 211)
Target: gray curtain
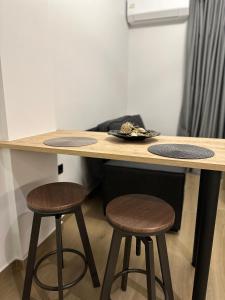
(203, 109)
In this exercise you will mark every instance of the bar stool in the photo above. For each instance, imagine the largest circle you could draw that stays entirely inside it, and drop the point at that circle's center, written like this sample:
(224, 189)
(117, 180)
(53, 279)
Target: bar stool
(140, 216)
(57, 199)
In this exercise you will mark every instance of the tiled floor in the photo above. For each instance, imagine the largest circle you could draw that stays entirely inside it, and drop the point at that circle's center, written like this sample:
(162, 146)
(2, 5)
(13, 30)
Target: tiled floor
(179, 246)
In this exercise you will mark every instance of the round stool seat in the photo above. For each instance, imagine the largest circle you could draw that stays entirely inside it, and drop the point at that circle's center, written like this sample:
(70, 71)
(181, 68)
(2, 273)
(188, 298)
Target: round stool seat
(57, 197)
(140, 214)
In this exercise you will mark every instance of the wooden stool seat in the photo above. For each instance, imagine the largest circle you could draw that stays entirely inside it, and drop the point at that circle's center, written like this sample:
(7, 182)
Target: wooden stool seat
(140, 214)
(56, 197)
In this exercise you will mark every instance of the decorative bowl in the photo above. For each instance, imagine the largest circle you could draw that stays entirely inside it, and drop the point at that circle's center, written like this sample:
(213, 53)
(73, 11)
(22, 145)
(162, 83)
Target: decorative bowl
(139, 137)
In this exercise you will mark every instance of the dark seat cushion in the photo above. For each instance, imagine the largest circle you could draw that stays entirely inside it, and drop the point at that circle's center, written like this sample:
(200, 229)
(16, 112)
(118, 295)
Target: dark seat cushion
(142, 166)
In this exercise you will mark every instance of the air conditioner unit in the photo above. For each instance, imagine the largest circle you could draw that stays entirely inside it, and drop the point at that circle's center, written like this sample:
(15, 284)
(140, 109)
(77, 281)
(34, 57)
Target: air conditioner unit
(150, 11)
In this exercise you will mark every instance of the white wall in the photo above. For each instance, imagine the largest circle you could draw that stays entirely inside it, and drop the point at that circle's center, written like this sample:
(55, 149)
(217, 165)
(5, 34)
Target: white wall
(90, 54)
(9, 242)
(156, 74)
(26, 67)
(64, 65)
(27, 108)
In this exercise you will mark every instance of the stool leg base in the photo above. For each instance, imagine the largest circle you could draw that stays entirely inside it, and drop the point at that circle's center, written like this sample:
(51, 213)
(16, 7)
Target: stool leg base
(31, 256)
(126, 262)
(87, 247)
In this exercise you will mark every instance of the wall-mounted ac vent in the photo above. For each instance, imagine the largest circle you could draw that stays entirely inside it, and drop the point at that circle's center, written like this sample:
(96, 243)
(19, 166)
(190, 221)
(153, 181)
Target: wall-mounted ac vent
(141, 12)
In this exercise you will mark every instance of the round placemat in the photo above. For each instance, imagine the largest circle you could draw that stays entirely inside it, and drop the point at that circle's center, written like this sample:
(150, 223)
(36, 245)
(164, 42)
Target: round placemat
(70, 142)
(182, 151)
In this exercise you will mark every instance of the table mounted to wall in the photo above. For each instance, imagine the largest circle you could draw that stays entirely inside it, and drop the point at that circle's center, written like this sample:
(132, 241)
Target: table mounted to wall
(111, 148)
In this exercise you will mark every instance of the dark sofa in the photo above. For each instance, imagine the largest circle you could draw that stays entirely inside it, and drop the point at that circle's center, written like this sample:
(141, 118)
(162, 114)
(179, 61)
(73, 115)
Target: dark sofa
(116, 178)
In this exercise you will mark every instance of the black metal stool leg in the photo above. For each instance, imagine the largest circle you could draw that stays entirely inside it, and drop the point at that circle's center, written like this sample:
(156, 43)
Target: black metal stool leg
(31, 256)
(62, 252)
(164, 262)
(150, 269)
(111, 265)
(59, 255)
(87, 247)
(138, 246)
(126, 261)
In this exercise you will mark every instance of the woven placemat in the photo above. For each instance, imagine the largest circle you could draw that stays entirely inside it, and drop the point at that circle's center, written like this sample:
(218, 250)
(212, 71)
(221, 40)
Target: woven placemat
(70, 142)
(181, 151)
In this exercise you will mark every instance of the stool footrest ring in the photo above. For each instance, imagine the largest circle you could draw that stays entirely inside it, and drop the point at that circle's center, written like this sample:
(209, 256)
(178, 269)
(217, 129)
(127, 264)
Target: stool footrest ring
(67, 285)
(141, 271)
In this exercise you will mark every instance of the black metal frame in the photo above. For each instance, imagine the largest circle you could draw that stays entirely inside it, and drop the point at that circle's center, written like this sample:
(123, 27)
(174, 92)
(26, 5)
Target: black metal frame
(141, 271)
(32, 268)
(164, 263)
(126, 261)
(150, 269)
(87, 247)
(109, 277)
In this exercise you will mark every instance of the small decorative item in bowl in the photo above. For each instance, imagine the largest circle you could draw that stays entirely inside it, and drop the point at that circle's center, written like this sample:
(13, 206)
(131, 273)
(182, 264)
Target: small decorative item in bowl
(129, 131)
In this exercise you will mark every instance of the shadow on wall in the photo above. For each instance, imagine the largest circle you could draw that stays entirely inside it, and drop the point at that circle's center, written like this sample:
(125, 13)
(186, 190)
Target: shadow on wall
(25, 217)
(28, 170)
(21, 225)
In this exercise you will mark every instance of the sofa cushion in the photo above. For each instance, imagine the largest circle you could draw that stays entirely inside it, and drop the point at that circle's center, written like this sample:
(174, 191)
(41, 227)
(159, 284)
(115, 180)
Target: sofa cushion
(123, 177)
(115, 124)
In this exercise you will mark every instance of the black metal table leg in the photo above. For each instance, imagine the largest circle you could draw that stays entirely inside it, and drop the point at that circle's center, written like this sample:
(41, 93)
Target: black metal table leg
(111, 265)
(87, 247)
(59, 255)
(126, 261)
(201, 199)
(210, 192)
(31, 257)
(164, 263)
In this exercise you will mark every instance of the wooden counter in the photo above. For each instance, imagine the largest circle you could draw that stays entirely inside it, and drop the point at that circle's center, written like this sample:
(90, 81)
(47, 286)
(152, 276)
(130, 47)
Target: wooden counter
(113, 148)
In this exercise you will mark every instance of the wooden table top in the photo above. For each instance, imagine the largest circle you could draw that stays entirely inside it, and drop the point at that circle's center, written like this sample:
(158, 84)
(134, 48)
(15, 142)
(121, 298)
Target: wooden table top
(110, 147)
